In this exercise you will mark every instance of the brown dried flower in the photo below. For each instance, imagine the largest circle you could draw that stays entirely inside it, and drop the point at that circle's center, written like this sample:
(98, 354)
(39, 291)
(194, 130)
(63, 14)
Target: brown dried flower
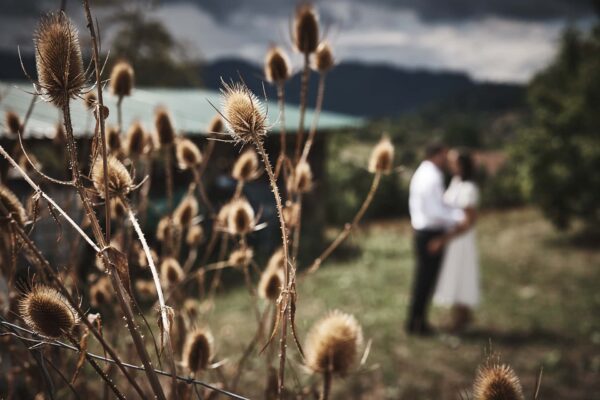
(270, 284)
(198, 350)
(185, 211)
(301, 180)
(240, 257)
(12, 205)
(195, 235)
(135, 144)
(240, 218)
(188, 154)
(164, 128)
(47, 312)
(277, 65)
(382, 157)
(497, 382)
(246, 166)
(13, 122)
(171, 272)
(121, 79)
(216, 125)
(324, 60)
(306, 29)
(119, 180)
(245, 116)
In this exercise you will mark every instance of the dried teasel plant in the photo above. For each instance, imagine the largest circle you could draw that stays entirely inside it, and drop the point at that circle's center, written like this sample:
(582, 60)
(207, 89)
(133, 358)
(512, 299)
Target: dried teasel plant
(216, 125)
(306, 29)
(186, 211)
(12, 122)
(118, 210)
(246, 166)
(188, 154)
(48, 312)
(171, 272)
(240, 217)
(113, 140)
(277, 65)
(119, 180)
(12, 205)
(89, 100)
(61, 76)
(121, 79)
(324, 60)
(301, 180)
(382, 157)
(198, 350)
(244, 114)
(495, 381)
(240, 257)
(164, 129)
(135, 140)
(270, 283)
(195, 235)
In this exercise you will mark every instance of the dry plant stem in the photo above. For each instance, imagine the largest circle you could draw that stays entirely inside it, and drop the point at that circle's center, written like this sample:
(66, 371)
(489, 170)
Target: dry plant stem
(202, 191)
(326, 386)
(281, 101)
(145, 190)
(297, 231)
(120, 114)
(159, 292)
(286, 281)
(315, 122)
(169, 181)
(96, 367)
(303, 96)
(348, 227)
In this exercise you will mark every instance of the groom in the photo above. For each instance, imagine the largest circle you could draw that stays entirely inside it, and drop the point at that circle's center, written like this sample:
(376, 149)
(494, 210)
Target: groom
(430, 219)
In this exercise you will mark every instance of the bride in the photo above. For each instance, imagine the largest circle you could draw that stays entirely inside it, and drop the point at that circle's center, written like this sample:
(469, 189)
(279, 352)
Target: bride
(458, 283)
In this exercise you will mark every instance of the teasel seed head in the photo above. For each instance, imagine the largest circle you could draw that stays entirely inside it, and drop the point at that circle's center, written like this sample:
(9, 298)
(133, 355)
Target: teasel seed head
(165, 132)
(324, 59)
(47, 312)
(270, 284)
(195, 235)
(306, 29)
(240, 218)
(121, 79)
(198, 350)
(188, 154)
(100, 292)
(291, 214)
(113, 140)
(186, 211)
(246, 166)
(277, 65)
(135, 142)
(13, 122)
(222, 216)
(90, 100)
(146, 289)
(301, 180)
(245, 117)
(58, 59)
(216, 125)
(119, 180)
(332, 343)
(241, 257)
(496, 381)
(276, 260)
(171, 272)
(382, 157)
(12, 205)
(162, 229)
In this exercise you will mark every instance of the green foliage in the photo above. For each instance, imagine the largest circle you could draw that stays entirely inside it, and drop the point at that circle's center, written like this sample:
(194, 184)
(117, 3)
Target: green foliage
(560, 150)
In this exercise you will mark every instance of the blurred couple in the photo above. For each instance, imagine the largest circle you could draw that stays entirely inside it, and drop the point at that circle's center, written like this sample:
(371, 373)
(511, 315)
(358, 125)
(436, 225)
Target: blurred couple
(447, 265)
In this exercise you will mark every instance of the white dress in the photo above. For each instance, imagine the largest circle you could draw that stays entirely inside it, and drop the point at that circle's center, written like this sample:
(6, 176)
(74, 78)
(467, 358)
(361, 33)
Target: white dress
(458, 282)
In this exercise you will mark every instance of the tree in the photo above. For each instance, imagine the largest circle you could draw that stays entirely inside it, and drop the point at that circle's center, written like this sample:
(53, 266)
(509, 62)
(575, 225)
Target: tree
(560, 150)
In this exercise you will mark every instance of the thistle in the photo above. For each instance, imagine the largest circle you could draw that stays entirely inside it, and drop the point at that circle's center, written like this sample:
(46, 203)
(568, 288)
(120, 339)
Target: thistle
(270, 284)
(245, 117)
(246, 166)
(240, 218)
(113, 140)
(496, 381)
(277, 65)
(47, 312)
(216, 125)
(121, 79)
(119, 180)
(185, 211)
(165, 133)
(12, 205)
(324, 60)
(198, 350)
(306, 29)
(58, 59)
(171, 272)
(135, 141)
(382, 157)
(188, 154)
(12, 122)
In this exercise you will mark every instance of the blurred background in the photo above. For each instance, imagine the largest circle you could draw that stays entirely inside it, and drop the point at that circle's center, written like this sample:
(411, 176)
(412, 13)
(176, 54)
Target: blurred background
(516, 82)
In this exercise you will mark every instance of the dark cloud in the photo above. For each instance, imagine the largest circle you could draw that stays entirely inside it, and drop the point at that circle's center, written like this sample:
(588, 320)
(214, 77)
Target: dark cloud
(443, 10)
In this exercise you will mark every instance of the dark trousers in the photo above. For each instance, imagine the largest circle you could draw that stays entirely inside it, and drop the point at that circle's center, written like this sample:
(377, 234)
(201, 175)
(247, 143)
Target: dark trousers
(427, 269)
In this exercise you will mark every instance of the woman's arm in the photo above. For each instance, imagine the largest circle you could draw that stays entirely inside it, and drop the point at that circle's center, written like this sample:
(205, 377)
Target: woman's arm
(436, 245)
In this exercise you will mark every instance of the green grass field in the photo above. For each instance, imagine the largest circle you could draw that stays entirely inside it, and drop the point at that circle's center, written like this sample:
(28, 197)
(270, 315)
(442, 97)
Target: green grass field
(540, 307)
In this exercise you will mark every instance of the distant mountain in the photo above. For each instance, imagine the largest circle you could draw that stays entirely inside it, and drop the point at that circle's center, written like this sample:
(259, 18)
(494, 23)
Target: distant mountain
(353, 88)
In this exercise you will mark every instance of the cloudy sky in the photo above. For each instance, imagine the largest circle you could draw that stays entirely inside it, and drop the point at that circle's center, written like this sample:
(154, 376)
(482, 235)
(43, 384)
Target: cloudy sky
(499, 40)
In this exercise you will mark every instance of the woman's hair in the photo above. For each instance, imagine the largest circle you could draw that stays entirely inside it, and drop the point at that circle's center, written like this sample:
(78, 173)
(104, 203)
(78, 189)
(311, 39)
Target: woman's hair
(467, 165)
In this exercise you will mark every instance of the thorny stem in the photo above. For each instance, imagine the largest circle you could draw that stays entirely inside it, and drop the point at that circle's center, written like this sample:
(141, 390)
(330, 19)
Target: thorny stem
(326, 386)
(348, 227)
(303, 96)
(159, 292)
(284, 238)
(315, 122)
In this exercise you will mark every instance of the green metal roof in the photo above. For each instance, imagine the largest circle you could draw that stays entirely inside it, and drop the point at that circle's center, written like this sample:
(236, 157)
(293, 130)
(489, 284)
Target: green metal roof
(190, 109)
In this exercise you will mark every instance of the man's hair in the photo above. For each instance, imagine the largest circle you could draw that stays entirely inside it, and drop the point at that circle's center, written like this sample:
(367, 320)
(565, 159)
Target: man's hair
(434, 148)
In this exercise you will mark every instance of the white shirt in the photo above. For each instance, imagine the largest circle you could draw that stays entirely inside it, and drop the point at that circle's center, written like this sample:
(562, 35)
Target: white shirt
(426, 200)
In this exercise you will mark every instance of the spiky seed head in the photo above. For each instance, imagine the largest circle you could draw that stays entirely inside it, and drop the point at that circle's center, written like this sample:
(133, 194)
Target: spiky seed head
(121, 79)
(113, 140)
(198, 350)
(246, 166)
(171, 272)
(119, 180)
(13, 122)
(146, 289)
(162, 229)
(135, 142)
(306, 29)
(277, 65)
(47, 312)
(58, 59)
(222, 216)
(301, 180)
(90, 100)
(291, 214)
(382, 157)
(332, 343)
(165, 132)
(241, 257)
(216, 125)
(195, 235)
(240, 219)
(496, 381)
(12, 205)
(245, 116)
(276, 260)
(324, 59)
(185, 211)
(100, 292)
(60, 136)
(118, 211)
(188, 154)
(270, 284)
